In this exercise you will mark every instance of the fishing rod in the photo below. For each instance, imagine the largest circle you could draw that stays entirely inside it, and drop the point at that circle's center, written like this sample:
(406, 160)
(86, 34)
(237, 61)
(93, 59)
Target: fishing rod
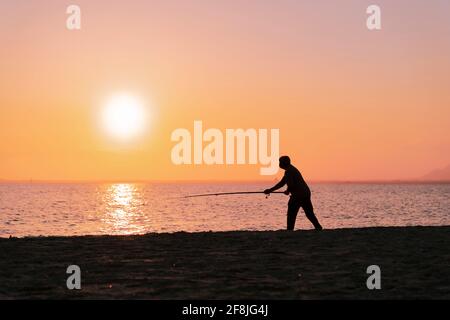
(228, 193)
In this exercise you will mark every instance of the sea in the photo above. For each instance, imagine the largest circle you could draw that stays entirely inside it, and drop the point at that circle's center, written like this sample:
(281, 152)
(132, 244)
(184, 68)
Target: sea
(69, 209)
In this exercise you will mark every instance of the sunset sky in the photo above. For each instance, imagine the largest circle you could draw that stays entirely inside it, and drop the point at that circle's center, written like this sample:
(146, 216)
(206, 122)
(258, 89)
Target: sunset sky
(351, 104)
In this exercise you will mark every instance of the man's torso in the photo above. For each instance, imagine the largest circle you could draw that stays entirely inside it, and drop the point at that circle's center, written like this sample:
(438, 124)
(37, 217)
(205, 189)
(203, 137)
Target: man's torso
(295, 182)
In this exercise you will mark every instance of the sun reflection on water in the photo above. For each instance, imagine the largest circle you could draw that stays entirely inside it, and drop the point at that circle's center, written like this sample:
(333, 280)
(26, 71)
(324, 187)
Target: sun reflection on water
(123, 214)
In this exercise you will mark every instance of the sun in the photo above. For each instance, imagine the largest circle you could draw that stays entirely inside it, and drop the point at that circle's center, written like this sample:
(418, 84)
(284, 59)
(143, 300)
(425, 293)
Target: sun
(124, 117)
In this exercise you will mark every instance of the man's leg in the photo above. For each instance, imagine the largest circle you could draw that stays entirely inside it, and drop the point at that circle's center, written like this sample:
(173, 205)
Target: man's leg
(293, 207)
(309, 211)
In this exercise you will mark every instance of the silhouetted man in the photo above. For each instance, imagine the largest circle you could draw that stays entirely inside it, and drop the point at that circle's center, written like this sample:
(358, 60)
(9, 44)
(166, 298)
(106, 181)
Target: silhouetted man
(300, 194)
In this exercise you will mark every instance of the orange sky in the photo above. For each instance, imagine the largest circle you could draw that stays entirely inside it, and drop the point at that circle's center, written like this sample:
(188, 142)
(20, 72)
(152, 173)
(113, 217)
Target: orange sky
(351, 104)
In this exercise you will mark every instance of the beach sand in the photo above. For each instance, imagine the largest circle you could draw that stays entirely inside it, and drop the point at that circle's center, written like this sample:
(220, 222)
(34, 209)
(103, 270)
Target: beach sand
(414, 262)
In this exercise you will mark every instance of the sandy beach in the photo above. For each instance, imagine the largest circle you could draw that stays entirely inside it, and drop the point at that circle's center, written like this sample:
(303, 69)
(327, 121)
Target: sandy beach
(414, 262)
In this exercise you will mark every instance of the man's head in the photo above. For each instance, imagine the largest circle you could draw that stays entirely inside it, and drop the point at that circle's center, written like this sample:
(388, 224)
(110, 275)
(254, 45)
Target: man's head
(285, 162)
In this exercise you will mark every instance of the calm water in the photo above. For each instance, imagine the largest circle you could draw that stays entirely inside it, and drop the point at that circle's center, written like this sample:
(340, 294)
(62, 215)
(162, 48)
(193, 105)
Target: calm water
(78, 209)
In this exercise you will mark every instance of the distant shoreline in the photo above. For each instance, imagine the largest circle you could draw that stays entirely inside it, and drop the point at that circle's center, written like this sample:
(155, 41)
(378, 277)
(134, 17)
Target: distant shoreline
(331, 264)
(220, 182)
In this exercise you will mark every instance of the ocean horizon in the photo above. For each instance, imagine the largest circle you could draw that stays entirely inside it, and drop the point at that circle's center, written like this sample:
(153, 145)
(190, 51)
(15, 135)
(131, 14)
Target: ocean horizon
(74, 209)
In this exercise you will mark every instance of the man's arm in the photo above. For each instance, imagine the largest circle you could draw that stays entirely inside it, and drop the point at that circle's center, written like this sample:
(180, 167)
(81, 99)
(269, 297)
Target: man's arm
(277, 186)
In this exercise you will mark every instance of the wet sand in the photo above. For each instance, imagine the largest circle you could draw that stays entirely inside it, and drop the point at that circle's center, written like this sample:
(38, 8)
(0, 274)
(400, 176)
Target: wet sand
(414, 262)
